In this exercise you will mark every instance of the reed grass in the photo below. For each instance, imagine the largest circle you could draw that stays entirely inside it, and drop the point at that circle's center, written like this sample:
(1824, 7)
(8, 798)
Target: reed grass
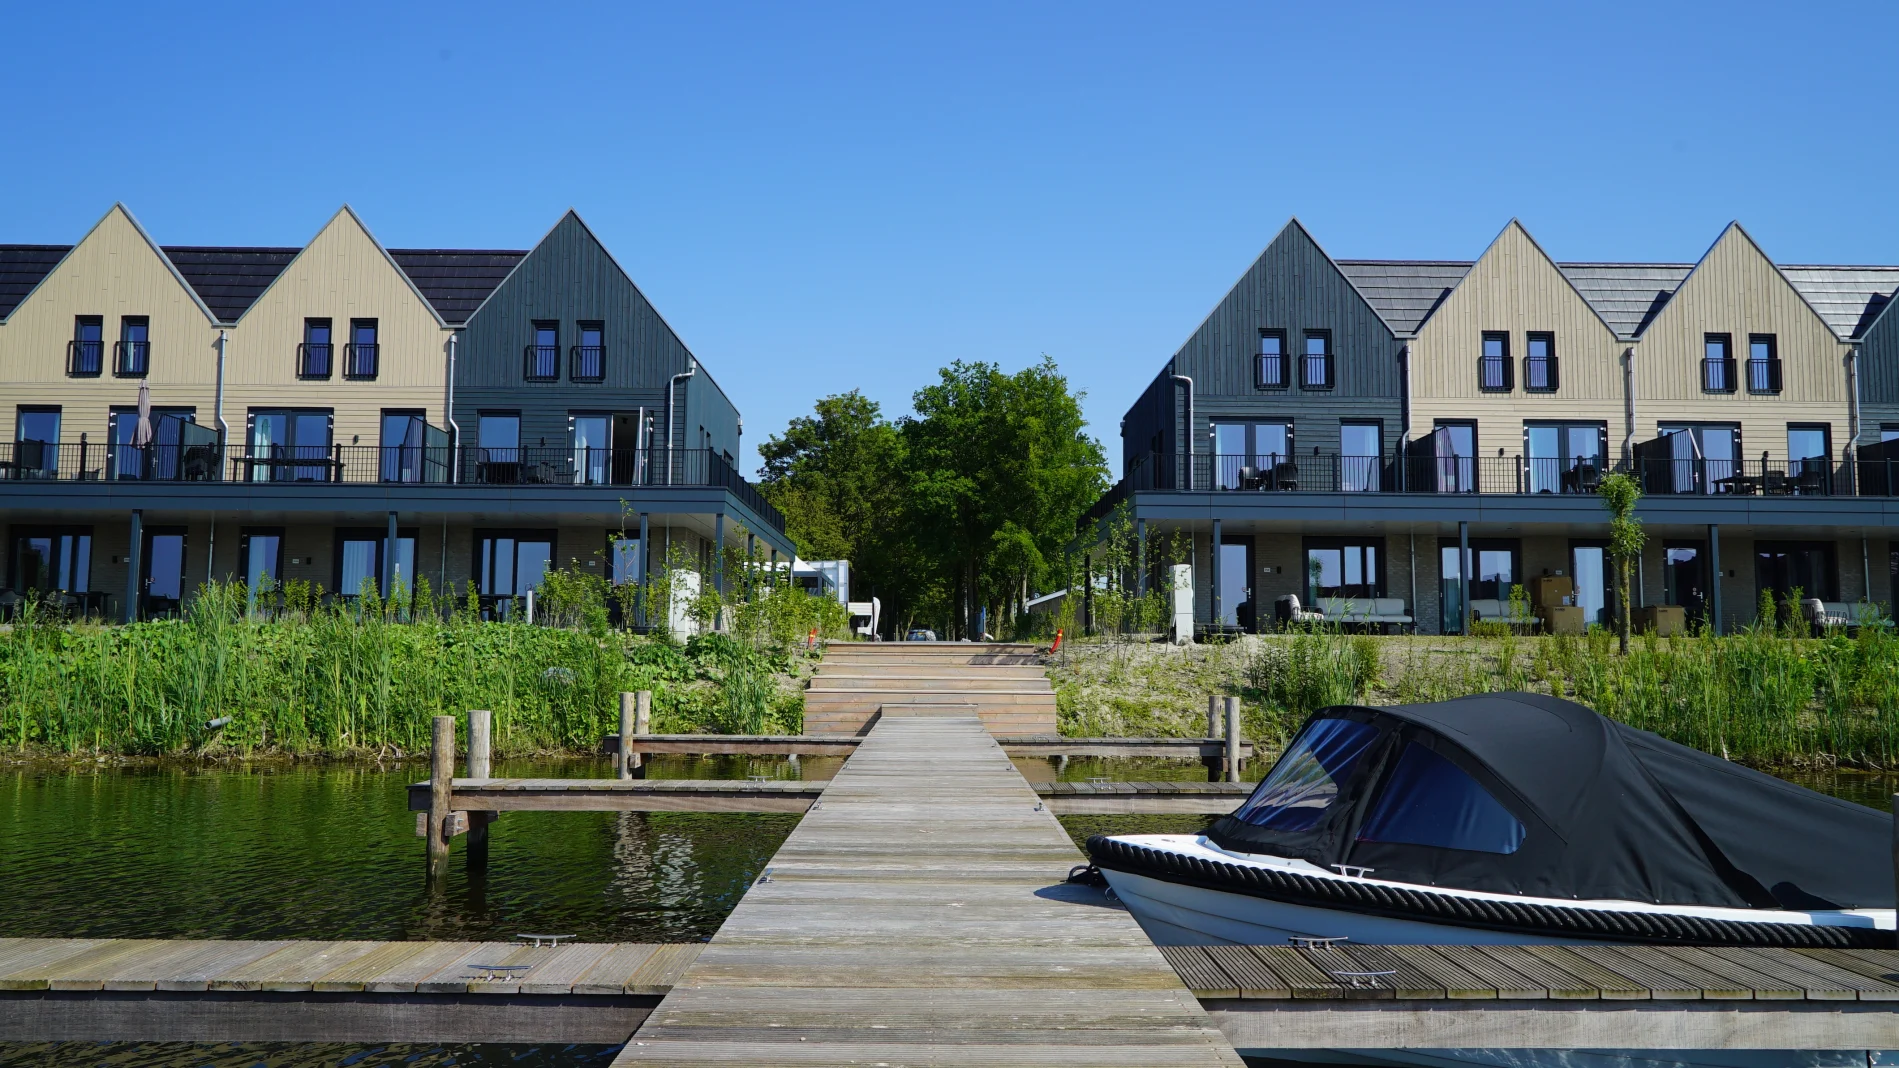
(356, 678)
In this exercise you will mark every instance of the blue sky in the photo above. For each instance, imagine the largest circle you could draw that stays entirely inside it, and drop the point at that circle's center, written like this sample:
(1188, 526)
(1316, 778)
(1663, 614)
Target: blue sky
(821, 198)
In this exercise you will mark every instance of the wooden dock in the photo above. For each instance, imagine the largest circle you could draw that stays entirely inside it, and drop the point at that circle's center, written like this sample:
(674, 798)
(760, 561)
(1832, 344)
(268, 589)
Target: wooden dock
(798, 795)
(918, 914)
(843, 745)
(1005, 685)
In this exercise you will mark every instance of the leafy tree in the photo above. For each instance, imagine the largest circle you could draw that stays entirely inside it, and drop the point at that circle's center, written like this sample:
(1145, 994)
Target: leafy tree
(1619, 492)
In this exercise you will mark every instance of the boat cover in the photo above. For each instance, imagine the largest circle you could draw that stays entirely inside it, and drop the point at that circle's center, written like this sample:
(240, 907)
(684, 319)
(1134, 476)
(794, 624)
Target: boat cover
(1524, 793)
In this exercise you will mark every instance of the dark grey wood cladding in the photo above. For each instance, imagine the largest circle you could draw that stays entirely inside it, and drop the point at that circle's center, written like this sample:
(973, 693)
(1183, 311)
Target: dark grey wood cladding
(1879, 374)
(569, 277)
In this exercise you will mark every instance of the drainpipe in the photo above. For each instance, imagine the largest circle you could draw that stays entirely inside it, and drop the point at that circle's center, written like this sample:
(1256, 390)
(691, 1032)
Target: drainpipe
(448, 410)
(1852, 417)
(224, 428)
(692, 367)
(1187, 436)
(1628, 404)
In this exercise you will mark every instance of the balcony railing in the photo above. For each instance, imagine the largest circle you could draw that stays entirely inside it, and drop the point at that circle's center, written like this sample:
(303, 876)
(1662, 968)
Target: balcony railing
(540, 363)
(131, 359)
(588, 363)
(1763, 376)
(420, 465)
(314, 359)
(361, 359)
(85, 359)
(1717, 376)
(1540, 374)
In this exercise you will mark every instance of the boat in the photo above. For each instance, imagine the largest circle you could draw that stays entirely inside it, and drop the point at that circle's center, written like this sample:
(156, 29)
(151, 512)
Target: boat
(1512, 818)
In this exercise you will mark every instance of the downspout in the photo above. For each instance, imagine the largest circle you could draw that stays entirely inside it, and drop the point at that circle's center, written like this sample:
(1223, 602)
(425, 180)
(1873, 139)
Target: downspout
(448, 411)
(1628, 405)
(1852, 420)
(1187, 434)
(224, 433)
(692, 367)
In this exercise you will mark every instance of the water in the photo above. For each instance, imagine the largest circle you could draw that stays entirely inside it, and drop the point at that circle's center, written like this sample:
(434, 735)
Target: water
(329, 851)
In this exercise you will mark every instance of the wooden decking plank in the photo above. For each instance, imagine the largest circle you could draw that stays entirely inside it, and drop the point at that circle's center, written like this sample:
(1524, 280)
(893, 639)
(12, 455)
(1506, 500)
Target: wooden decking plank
(1506, 981)
(1255, 980)
(1610, 985)
(404, 975)
(22, 967)
(350, 977)
(458, 976)
(1765, 987)
(1662, 986)
(192, 972)
(1410, 981)
(291, 969)
(1561, 983)
(91, 969)
(1816, 980)
(610, 973)
(563, 968)
(1458, 983)
(1202, 976)
(1713, 986)
(1348, 973)
(1300, 976)
(1853, 961)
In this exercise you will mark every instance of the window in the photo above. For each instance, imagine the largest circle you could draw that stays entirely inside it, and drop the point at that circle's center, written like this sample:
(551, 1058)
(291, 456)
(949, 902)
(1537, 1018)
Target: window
(260, 557)
(543, 353)
(1429, 801)
(1564, 457)
(361, 356)
(1311, 776)
(1702, 458)
(1494, 568)
(1361, 456)
(1454, 457)
(1493, 367)
(85, 353)
(1784, 566)
(162, 577)
(50, 559)
(498, 456)
(1253, 456)
(289, 445)
(590, 356)
(623, 559)
(1539, 363)
(1275, 371)
(314, 355)
(511, 562)
(1763, 364)
(1315, 371)
(133, 355)
(1717, 363)
(35, 443)
(359, 559)
(1589, 567)
(1684, 581)
(402, 442)
(1352, 568)
(592, 456)
(160, 457)
(1888, 432)
(1808, 458)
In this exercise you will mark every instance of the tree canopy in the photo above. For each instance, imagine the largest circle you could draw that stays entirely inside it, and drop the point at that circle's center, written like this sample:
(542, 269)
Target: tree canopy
(966, 504)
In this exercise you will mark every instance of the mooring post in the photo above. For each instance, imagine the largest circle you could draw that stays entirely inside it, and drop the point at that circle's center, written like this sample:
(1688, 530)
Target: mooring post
(479, 721)
(441, 791)
(642, 725)
(1214, 762)
(1232, 739)
(623, 761)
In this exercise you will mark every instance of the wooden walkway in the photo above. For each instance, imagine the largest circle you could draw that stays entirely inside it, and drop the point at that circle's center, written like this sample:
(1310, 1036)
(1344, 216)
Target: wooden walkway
(797, 795)
(843, 745)
(918, 914)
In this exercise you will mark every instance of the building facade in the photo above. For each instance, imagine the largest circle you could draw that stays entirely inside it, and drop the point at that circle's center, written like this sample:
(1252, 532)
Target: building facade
(336, 414)
(1756, 403)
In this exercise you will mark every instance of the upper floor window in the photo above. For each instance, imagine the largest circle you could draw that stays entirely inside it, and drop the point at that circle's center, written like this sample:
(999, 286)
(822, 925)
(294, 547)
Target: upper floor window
(590, 356)
(85, 354)
(1493, 367)
(543, 354)
(1539, 364)
(291, 445)
(1275, 371)
(1717, 363)
(35, 443)
(498, 455)
(133, 358)
(314, 355)
(362, 354)
(1315, 370)
(1763, 364)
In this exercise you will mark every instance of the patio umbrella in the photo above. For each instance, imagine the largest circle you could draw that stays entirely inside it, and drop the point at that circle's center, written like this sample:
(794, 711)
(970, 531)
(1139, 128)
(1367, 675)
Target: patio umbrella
(142, 434)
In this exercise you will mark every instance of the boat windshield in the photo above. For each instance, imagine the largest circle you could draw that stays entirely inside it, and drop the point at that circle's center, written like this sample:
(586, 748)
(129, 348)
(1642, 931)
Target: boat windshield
(1310, 776)
(1430, 801)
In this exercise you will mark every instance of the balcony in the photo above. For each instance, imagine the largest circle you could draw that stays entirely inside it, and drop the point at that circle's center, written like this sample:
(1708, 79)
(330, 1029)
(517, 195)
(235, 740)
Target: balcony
(540, 363)
(315, 359)
(85, 359)
(361, 360)
(131, 359)
(1540, 374)
(1763, 376)
(427, 468)
(1717, 375)
(588, 363)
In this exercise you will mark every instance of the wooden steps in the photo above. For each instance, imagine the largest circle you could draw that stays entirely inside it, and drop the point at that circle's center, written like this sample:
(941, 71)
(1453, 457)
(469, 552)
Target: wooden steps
(1004, 685)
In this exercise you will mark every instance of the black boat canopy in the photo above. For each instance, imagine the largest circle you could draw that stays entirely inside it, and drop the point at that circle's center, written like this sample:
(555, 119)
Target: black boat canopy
(1522, 793)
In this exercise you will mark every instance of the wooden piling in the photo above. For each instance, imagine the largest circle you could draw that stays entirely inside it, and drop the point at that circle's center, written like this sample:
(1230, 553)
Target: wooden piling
(642, 726)
(1232, 739)
(441, 791)
(1216, 764)
(479, 740)
(623, 761)
(1213, 715)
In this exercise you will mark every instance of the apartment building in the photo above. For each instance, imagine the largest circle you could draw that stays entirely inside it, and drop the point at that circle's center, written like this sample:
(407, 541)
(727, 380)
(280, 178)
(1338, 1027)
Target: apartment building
(1447, 441)
(346, 414)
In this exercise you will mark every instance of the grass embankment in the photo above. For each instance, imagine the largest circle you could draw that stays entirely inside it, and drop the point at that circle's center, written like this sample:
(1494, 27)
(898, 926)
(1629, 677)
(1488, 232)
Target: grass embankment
(1761, 697)
(337, 682)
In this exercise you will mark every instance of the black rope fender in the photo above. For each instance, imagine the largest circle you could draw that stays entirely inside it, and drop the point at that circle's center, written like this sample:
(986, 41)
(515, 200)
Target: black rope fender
(1517, 917)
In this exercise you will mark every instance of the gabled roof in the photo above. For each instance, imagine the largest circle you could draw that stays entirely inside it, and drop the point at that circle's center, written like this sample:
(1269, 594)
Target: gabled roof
(1848, 298)
(21, 268)
(229, 280)
(1626, 295)
(1404, 292)
(455, 281)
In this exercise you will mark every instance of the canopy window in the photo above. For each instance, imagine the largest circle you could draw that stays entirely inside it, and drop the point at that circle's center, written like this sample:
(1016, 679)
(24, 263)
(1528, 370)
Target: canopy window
(1315, 771)
(1430, 801)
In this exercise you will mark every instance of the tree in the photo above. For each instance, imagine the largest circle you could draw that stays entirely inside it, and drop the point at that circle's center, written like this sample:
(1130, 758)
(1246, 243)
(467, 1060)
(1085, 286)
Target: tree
(1619, 493)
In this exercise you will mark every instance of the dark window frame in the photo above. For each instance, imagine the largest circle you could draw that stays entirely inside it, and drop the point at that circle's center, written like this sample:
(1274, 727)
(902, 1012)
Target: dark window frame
(85, 357)
(354, 353)
(23, 531)
(379, 535)
(1327, 361)
(1310, 544)
(1725, 363)
(1764, 376)
(535, 352)
(244, 536)
(309, 352)
(130, 358)
(1486, 363)
(1284, 362)
(1551, 377)
(577, 370)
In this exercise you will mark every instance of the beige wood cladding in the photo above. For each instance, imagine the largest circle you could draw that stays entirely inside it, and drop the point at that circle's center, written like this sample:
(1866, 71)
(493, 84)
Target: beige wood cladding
(1514, 287)
(1737, 290)
(342, 274)
(115, 271)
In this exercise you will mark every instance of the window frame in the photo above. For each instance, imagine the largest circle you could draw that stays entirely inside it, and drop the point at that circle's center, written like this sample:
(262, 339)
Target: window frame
(1552, 377)
(1260, 356)
(581, 326)
(1771, 366)
(122, 365)
(49, 458)
(532, 353)
(379, 535)
(1343, 545)
(306, 347)
(1506, 373)
(244, 536)
(1327, 361)
(56, 533)
(74, 347)
(353, 354)
(1726, 362)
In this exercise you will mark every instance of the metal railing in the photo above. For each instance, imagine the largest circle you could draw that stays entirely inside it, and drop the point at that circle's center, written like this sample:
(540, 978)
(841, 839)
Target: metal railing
(1763, 376)
(540, 363)
(1540, 374)
(360, 359)
(313, 359)
(85, 359)
(1717, 376)
(588, 363)
(87, 460)
(131, 359)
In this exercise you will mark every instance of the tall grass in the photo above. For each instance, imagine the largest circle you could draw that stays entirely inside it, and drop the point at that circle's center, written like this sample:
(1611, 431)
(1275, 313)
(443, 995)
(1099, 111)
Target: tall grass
(356, 678)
